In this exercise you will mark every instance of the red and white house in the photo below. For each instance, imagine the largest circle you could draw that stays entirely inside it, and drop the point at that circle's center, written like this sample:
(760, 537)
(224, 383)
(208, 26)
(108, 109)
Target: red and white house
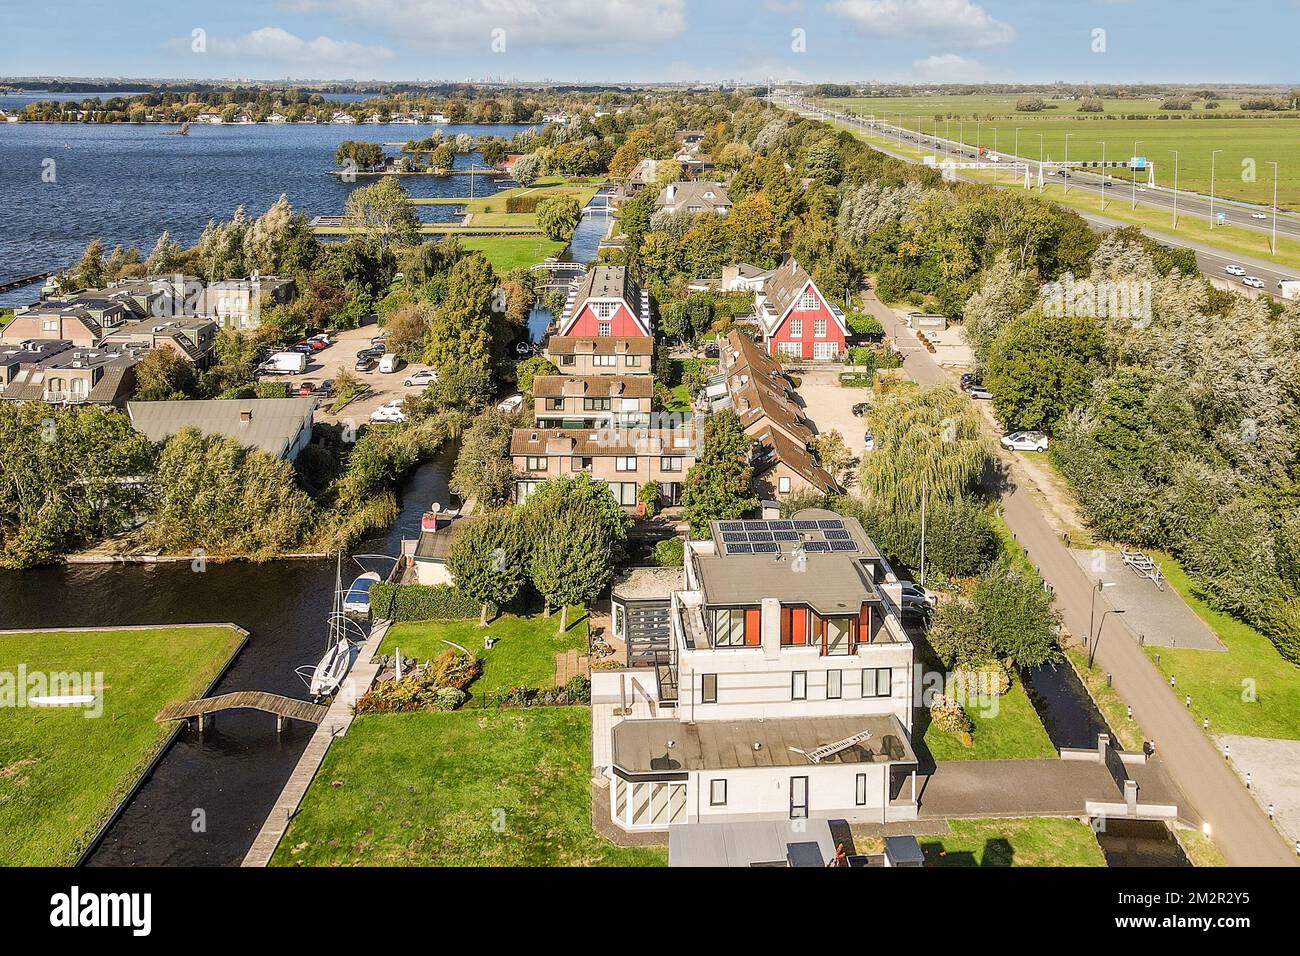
(797, 320)
(607, 304)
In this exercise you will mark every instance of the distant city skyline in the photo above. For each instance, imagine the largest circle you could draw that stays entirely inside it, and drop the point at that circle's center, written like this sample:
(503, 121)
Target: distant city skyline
(611, 41)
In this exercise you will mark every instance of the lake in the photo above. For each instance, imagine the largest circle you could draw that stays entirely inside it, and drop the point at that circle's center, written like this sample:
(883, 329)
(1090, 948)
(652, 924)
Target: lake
(125, 183)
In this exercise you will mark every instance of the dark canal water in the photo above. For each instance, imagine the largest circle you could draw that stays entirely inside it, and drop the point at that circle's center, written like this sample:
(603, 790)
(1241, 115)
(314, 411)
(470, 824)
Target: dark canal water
(125, 183)
(234, 772)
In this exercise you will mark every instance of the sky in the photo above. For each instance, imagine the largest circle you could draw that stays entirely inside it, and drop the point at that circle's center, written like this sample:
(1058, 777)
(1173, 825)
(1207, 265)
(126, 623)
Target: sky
(603, 41)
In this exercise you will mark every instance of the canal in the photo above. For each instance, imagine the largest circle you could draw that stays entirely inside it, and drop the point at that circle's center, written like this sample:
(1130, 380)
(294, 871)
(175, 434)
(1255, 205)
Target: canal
(207, 798)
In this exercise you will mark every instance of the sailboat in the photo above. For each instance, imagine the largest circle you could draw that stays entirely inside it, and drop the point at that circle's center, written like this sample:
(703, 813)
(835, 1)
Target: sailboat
(326, 676)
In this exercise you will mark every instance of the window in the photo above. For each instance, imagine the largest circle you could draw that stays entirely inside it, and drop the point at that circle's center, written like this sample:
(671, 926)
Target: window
(536, 463)
(877, 682)
(718, 793)
(708, 688)
(604, 309)
(568, 359)
(581, 464)
(670, 464)
(729, 627)
(808, 301)
(49, 325)
(555, 404)
(624, 492)
(837, 636)
(670, 493)
(860, 797)
(595, 404)
(798, 798)
(794, 626)
(604, 329)
(798, 685)
(632, 361)
(834, 685)
(607, 361)
(796, 328)
(819, 328)
(824, 351)
(789, 348)
(625, 463)
(783, 484)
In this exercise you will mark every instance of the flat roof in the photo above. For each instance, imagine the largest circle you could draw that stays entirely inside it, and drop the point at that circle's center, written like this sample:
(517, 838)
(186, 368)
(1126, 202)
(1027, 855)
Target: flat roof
(664, 746)
(647, 584)
(752, 843)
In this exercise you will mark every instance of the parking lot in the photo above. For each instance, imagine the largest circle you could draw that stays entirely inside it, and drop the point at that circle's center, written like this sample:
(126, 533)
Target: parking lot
(342, 354)
(829, 406)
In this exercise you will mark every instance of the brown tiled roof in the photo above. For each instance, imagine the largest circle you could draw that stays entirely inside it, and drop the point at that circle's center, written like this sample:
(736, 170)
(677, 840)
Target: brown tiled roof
(757, 400)
(786, 283)
(603, 442)
(609, 345)
(779, 447)
(597, 386)
(750, 357)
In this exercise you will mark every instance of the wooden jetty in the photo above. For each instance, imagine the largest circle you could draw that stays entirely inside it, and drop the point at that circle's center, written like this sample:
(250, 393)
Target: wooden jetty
(284, 708)
(21, 281)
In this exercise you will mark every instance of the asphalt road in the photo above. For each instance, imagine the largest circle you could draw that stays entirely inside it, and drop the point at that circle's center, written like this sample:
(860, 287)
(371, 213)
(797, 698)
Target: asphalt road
(1240, 829)
(1211, 261)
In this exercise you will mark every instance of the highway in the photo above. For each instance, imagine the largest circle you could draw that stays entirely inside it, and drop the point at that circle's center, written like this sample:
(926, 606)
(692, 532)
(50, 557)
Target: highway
(1212, 261)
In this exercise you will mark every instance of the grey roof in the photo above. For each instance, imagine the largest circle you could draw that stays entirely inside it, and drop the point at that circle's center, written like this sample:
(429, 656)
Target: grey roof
(647, 584)
(752, 843)
(272, 426)
(643, 746)
(693, 193)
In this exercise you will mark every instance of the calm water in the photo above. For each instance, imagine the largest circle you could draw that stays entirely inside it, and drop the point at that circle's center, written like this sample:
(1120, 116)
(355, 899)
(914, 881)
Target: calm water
(234, 772)
(125, 184)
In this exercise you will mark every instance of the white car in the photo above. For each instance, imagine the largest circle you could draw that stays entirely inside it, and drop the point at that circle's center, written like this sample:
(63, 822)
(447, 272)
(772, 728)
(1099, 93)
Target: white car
(1024, 441)
(1259, 215)
(979, 392)
(1234, 270)
(423, 377)
(917, 599)
(1255, 282)
(389, 412)
(510, 404)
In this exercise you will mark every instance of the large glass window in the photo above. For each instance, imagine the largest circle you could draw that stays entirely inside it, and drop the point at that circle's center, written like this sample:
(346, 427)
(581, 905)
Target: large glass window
(877, 682)
(837, 636)
(728, 627)
(794, 626)
(718, 793)
(595, 404)
(834, 685)
(798, 685)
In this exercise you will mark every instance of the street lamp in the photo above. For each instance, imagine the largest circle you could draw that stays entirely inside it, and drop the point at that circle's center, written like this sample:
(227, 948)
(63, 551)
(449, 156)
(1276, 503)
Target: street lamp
(1040, 162)
(1175, 152)
(1136, 144)
(1102, 144)
(1092, 609)
(978, 140)
(1066, 161)
(1213, 153)
(1273, 243)
(1101, 624)
(1015, 150)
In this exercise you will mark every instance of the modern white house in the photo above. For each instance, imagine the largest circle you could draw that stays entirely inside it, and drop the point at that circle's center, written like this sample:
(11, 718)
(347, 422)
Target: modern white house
(775, 683)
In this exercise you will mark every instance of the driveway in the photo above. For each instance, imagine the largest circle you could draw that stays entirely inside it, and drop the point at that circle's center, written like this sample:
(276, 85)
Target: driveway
(829, 406)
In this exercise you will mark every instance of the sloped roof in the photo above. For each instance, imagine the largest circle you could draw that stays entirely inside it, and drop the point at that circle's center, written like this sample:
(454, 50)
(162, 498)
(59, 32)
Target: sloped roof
(272, 425)
(604, 283)
(603, 442)
(776, 447)
(606, 345)
(689, 193)
(595, 386)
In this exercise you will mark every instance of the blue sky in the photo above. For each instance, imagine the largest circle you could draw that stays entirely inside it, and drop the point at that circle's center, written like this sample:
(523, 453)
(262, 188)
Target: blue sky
(658, 40)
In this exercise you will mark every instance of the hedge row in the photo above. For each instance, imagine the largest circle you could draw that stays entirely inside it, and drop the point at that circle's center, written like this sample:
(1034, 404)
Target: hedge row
(526, 203)
(419, 602)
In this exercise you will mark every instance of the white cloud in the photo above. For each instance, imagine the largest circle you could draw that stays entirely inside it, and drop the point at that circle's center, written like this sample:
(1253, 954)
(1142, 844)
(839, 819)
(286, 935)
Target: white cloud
(466, 26)
(953, 22)
(273, 45)
(951, 68)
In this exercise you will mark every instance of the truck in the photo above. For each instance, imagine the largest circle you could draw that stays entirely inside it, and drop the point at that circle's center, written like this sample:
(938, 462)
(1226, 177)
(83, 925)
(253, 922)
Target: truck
(285, 363)
(1289, 288)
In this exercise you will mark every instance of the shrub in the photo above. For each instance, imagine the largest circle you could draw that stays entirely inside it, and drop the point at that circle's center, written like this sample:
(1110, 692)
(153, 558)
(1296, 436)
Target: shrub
(578, 689)
(649, 497)
(419, 602)
(454, 669)
(984, 679)
(271, 390)
(670, 553)
(418, 692)
(947, 715)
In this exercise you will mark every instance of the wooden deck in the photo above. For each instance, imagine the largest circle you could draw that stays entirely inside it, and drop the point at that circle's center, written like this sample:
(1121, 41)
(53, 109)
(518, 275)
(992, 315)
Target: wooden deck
(283, 707)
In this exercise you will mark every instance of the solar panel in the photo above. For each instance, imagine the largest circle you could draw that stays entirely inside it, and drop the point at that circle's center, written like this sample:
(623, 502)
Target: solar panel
(735, 537)
(806, 525)
(760, 536)
(830, 523)
(765, 547)
(781, 525)
(843, 546)
(840, 535)
(731, 525)
(755, 525)
(739, 549)
(812, 546)
(786, 535)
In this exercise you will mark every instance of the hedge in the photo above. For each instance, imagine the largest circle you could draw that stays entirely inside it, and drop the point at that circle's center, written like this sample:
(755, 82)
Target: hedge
(527, 203)
(420, 602)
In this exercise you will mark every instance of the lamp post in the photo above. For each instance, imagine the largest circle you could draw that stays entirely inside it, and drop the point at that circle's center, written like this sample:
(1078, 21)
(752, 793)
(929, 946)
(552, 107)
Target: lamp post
(1273, 243)
(1213, 153)
(1133, 169)
(1092, 613)
(1068, 177)
(1101, 624)
(1175, 152)
(978, 138)
(1102, 144)
(1040, 162)
(1015, 150)
(995, 139)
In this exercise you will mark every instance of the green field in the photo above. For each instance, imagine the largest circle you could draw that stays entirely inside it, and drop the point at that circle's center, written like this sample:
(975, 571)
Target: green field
(1251, 690)
(507, 253)
(1014, 732)
(62, 773)
(470, 788)
(523, 656)
(1026, 841)
(1272, 137)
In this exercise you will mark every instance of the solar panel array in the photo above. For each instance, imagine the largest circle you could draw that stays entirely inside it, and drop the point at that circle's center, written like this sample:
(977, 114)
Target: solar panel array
(817, 535)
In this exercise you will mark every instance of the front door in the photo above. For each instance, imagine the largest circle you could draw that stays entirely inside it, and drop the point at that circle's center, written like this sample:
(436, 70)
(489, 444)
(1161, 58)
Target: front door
(798, 798)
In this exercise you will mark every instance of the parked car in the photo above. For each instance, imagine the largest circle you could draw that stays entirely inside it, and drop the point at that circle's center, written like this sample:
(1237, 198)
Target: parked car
(510, 404)
(365, 363)
(422, 377)
(389, 412)
(869, 441)
(979, 392)
(1255, 282)
(390, 363)
(284, 363)
(316, 345)
(378, 342)
(375, 352)
(1024, 441)
(322, 337)
(305, 387)
(968, 379)
(303, 348)
(918, 593)
(861, 408)
(325, 389)
(1234, 270)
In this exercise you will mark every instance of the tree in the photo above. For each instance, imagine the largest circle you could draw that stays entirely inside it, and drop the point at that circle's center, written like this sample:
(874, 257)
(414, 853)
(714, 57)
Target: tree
(1040, 367)
(444, 157)
(483, 468)
(956, 632)
(89, 270)
(492, 149)
(718, 485)
(464, 330)
(556, 494)
(558, 216)
(362, 154)
(572, 557)
(406, 330)
(165, 256)
(1003, 292)
(162, 375)
(1016, 615)
(1030, 104)
(831, 451)
(527, 168)
(487, 561)
(383, 213)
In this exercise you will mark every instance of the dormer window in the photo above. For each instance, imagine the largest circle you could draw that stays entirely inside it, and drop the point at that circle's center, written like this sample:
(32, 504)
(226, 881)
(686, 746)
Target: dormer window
(604, 310)
(808, 301)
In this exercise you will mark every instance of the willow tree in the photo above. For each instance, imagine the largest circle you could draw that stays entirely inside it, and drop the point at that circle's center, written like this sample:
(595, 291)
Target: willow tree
(928, 444)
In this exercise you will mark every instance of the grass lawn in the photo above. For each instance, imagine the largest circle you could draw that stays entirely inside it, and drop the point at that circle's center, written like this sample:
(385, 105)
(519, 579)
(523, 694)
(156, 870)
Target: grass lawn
(61, 773)
(1027, 841)
(523, 657)
(507, 253)
(1199, 848)
(1218, 682)
(470, 788)
(1013, 732)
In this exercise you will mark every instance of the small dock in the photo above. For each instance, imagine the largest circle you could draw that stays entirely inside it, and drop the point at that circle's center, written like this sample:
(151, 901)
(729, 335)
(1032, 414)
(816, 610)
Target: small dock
(284, 708)
(9, 284)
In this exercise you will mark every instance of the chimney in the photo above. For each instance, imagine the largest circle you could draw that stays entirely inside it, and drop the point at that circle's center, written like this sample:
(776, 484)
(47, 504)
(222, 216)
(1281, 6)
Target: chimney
(770, 628)
(672, 192)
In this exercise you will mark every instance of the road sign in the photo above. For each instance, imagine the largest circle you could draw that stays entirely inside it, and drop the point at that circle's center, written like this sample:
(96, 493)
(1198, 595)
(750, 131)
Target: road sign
(1138, 162)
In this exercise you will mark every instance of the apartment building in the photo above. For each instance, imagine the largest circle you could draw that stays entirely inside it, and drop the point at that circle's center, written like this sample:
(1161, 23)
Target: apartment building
(20, 355)
(76, 376)
(237, 303)
(606, 303)
(785, 691)
(625, 459)
(190, 337)
(587, 355)
(592, 401)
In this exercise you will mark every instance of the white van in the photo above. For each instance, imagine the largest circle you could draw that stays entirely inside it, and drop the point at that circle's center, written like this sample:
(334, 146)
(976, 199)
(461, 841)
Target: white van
(285, 363)
(389, 363)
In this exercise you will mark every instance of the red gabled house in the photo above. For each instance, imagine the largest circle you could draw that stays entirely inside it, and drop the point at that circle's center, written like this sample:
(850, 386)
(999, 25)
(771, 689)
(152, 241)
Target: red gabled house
(606, 303)
(797, 320)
